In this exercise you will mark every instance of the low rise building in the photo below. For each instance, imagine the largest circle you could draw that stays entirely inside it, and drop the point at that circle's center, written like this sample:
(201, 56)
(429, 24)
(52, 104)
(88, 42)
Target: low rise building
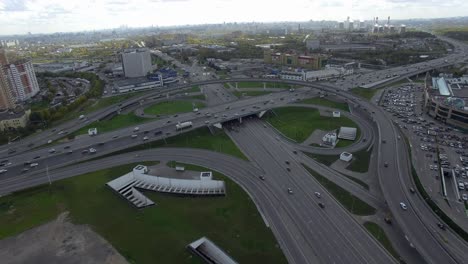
(12, 120)
(312, 61)
(346, 156)
(446, 99)
(137, 84)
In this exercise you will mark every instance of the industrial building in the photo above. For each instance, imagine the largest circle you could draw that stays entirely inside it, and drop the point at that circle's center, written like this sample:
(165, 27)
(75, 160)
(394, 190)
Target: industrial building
(136, 62)
(313, 61)
(446, 99)
(210, 252)
(137, 84)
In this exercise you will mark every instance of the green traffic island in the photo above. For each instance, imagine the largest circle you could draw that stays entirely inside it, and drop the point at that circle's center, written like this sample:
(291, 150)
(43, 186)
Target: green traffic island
(352, 203)
(328, 160)
(298, 123)
(325, 102)
(173, 107)
(117, 122)
(378, 233)
(361, 161)
(200, 138)
(159, 232)
(365, 93)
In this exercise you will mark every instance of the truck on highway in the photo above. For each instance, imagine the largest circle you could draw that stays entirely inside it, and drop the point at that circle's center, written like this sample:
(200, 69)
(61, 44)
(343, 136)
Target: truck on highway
(183, 125)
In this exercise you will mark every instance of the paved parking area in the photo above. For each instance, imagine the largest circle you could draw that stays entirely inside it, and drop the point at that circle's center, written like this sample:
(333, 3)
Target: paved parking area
(440, 152)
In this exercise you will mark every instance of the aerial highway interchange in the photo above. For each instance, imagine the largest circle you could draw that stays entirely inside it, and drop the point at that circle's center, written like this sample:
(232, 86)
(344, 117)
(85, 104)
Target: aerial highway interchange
(305, 232)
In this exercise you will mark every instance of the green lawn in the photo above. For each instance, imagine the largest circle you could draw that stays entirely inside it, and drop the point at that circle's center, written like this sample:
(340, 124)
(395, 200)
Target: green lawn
(328, 160)
(199, 97)
(298, 123)
(324, 159)
(119, 121)
(380, 235)
(172, 107)
(108, 101)
(226, 85)
(349, 201)
(250, 93)
(159, 233)
(325, 102)
(360, 162)
(363, 92)
(194, 89)
(199, 138)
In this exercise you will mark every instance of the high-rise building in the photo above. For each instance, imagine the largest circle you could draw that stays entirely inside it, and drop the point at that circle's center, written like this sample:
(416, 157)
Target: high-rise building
(136, 62)
(6, 98)
(3, 57)
(22, 79)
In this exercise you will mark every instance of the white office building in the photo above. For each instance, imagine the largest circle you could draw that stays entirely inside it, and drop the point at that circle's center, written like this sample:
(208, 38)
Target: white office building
(136, 62)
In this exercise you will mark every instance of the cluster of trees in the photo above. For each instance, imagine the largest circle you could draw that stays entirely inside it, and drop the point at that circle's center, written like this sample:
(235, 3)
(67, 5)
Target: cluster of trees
(47, 115)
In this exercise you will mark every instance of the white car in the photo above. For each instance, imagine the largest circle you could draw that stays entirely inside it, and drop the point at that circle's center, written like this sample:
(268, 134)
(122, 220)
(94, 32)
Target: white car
(145, 138)
(134, 136)
(51, 150)
(403, 206)
(136, 129)
(3, 171)
(49, 141)
(318, 194)
(33, 165)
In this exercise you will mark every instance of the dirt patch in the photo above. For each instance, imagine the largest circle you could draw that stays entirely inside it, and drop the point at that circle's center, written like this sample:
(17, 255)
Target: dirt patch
(59, 241)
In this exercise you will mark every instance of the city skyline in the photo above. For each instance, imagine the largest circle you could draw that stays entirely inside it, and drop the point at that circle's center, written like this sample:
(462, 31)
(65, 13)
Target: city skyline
(36, 16)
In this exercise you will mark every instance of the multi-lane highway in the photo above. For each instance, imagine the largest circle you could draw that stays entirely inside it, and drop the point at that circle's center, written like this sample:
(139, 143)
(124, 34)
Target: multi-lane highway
(298, 226)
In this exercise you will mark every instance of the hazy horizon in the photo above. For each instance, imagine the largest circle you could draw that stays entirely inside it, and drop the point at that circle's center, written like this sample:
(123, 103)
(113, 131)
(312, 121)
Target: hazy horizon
(19, 17)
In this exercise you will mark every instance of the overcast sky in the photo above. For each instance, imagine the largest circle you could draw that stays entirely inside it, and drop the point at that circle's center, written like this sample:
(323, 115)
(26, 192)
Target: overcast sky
(46, 16)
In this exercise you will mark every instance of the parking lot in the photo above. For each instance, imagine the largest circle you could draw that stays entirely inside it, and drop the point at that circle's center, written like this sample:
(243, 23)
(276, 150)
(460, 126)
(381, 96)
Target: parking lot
(440, 154)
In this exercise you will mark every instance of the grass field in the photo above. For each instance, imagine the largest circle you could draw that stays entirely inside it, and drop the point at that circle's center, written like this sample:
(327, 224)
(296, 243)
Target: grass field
(199, 97)
(324, 159)
(250, 93)
(199, 138)
(159, 233)
(119, 121)
(360, 162)
(349, 201)
(172, 107)
(194, 89)
(380, 235)
(298, 123)
(108, 101)
(363, 92)
(325, 102)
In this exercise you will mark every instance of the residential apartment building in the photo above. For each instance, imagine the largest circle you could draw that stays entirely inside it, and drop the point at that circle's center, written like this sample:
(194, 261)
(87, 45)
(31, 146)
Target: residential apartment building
(22, 79)
(7, 100)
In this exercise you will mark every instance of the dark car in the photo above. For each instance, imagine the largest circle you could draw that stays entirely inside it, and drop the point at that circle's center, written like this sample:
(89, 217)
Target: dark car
(146, 132)
(157, 133)
(321, 205)
(388, 220)
(37, 157)
(66, 147)
(441, 226)
(412, 190)
(288, 169)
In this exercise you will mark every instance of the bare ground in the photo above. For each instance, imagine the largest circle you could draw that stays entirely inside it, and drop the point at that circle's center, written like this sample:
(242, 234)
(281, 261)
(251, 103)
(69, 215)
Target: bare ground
(59, 241)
